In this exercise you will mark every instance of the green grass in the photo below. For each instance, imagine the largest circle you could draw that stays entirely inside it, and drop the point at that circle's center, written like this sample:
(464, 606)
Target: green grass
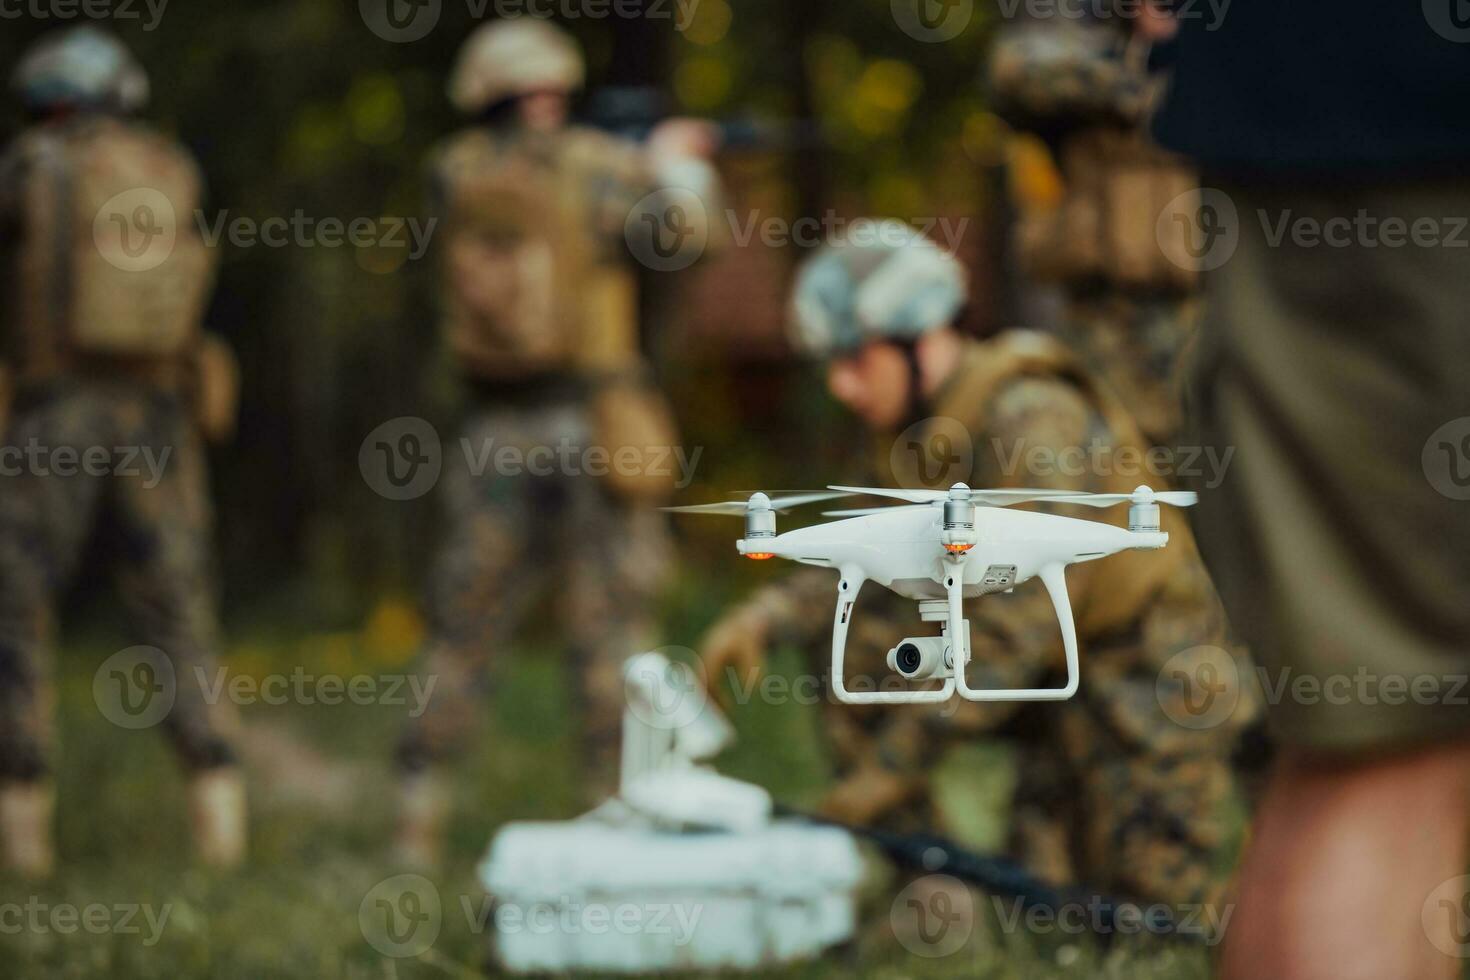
(294, 913)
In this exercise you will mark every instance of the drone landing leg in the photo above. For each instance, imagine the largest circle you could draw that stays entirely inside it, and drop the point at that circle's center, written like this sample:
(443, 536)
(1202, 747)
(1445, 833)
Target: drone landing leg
(1054, 577)
(847, 589)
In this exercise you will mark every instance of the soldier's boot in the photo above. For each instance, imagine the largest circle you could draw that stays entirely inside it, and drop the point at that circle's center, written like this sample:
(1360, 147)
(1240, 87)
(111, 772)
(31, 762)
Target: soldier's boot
(26, 811)
(218, 816)
(423, 811)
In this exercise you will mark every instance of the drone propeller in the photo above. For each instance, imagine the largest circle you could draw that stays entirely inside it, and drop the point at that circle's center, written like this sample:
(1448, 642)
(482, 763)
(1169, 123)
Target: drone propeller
(993, 498)
(869, 511)
(758, 501)
(1143, 495)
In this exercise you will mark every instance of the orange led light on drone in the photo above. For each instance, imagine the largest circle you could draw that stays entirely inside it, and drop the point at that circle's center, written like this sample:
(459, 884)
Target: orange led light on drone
(760, 555)
(958, 549)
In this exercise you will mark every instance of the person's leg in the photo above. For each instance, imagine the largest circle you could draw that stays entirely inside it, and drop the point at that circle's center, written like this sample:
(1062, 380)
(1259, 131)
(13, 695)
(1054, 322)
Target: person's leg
(484, 578)
(619, 559)
(1337, 539)
(163, 526)
(44, 523)
(1343, 850)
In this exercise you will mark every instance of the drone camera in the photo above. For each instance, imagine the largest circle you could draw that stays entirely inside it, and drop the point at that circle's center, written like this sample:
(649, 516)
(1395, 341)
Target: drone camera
(920, 658)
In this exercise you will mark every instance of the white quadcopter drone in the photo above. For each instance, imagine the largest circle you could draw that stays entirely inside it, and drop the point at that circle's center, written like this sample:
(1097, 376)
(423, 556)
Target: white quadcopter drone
(945, 547)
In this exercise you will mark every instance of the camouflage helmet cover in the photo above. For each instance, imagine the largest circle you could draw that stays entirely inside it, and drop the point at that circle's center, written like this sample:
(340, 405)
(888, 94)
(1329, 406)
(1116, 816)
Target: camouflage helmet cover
(512, 57)
(82, 66)
(885, 281)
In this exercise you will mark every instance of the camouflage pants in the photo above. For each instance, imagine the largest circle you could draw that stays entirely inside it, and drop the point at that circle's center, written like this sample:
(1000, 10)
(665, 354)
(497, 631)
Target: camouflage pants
(1113, 791)
(513, 536)
(123, 461)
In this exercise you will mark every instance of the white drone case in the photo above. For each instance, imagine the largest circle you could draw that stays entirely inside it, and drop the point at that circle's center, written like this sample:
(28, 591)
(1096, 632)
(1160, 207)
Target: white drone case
(638, 899)
(683, 870)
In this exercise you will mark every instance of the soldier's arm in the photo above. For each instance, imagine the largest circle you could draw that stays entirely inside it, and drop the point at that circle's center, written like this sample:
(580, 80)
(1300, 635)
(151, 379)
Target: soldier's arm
(669, 183)
(798, 609)
(1054, 73)
(792, 611)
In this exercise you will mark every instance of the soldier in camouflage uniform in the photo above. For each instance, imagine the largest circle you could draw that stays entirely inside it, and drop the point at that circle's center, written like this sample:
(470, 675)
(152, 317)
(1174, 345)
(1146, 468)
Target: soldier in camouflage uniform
(1083, 85)
(113, 390)
(540, 312)
(1121, 787)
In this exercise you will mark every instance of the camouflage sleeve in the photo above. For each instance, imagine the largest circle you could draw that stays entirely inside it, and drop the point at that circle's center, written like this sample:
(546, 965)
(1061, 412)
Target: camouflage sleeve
(676, 199)
(1048, 74)
(798, 609)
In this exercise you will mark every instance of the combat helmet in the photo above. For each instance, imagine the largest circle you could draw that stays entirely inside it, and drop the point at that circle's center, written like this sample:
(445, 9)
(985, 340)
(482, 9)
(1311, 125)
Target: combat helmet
(885, 281)
(81, 67)
(513, 57)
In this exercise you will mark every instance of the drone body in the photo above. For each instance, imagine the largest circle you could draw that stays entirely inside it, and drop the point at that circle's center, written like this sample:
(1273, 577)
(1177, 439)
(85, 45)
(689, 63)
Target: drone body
(944, 548)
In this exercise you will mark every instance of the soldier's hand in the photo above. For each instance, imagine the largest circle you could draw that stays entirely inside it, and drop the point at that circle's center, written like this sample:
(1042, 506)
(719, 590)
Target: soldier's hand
(866, 795)
(734, 651)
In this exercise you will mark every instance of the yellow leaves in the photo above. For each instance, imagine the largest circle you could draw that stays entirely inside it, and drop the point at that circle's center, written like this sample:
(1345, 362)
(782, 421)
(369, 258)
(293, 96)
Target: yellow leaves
(393, 632)
(375, 108)
(702, 82)
(1036, 184)
(983, 137)
(705, 22)
(870, 99)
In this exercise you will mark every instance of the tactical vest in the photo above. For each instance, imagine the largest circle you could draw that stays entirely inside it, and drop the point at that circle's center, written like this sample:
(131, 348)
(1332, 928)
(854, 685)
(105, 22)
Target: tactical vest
(534, 282)
(1126, 582)
(109, 261)
(537, 282)
(1111, 224)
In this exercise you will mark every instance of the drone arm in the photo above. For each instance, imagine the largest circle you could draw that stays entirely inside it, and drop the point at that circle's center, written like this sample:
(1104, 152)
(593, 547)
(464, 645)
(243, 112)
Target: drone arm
(848, 585)
(1054, 577)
